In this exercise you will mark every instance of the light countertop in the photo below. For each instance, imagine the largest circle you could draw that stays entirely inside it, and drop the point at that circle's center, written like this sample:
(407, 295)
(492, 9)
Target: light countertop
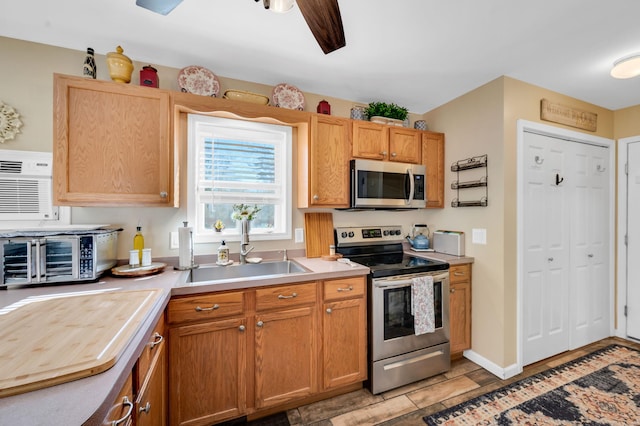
(87, 401)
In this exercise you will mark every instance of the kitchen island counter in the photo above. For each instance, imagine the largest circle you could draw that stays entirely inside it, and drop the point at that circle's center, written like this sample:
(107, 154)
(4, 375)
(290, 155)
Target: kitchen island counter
(87, 400)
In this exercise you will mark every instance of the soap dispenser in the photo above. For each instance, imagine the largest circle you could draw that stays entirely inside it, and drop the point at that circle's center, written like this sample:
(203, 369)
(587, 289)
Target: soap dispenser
(223, 254)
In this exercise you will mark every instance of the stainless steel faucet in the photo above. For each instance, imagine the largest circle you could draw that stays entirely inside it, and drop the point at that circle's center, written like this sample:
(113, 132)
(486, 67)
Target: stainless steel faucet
(245, 249)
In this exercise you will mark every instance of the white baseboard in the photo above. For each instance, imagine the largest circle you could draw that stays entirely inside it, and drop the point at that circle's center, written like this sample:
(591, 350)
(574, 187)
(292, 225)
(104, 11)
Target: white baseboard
(501, 372)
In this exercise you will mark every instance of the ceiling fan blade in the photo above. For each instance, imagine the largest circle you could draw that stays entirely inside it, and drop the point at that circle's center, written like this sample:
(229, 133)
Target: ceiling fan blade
(324, 21)
(162, 7)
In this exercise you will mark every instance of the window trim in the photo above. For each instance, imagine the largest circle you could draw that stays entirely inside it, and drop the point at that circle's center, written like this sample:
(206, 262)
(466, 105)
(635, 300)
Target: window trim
(233, 234)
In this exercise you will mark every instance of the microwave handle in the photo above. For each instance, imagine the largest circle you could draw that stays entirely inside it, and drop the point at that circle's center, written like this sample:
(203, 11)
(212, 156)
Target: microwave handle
(411, 187)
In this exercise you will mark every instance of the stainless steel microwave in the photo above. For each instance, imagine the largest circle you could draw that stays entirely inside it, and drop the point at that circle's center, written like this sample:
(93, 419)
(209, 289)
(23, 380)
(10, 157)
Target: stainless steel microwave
(43, 258)
(387, 185)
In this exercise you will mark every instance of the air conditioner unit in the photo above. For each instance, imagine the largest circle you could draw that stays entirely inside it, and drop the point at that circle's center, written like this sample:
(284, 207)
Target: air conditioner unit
(25, 186)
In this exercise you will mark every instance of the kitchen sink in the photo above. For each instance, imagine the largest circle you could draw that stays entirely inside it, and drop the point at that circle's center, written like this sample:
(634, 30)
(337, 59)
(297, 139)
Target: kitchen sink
(239, 271)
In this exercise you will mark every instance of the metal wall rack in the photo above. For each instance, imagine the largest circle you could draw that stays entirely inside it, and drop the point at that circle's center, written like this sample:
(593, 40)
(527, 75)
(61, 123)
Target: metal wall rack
(468, 164)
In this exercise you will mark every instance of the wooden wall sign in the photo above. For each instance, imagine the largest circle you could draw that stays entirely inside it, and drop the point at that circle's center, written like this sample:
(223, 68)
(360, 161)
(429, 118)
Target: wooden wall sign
(568, 116)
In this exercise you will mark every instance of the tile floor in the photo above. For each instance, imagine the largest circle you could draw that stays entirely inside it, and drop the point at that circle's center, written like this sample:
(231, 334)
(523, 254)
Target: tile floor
(407, 405)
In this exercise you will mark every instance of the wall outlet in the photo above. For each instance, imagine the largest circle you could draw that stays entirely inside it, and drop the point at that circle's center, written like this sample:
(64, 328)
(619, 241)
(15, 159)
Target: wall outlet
(479, 236)
(174, 240)
(299, 235)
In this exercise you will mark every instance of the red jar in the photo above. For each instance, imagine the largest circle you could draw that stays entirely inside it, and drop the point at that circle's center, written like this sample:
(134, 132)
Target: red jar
(149, 76)
(324, 107)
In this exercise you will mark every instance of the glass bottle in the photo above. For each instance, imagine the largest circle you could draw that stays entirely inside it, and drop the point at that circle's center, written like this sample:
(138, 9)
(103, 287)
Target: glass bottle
(89, 69)
(138, 242)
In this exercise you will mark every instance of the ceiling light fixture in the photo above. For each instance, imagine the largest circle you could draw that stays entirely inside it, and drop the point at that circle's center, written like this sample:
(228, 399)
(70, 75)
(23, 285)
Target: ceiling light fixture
(626, 67)
(279, 6)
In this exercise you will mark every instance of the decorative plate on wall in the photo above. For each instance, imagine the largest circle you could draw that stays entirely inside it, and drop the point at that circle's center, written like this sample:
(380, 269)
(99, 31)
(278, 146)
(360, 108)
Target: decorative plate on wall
(9, 122)
(287, 96)
(199, 81)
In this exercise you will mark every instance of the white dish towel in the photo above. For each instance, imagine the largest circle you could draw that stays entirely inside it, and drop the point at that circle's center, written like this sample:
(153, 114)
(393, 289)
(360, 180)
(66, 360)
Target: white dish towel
(422, 305)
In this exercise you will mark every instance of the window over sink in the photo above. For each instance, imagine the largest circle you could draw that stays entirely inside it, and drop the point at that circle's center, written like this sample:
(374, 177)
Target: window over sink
(233, 161)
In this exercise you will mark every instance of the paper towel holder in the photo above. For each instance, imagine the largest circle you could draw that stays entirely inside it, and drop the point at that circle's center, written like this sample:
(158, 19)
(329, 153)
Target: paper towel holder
(185, 250)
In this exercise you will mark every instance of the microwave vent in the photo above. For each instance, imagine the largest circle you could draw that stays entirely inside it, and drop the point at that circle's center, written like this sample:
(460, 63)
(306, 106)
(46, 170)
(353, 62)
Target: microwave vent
(25, 186)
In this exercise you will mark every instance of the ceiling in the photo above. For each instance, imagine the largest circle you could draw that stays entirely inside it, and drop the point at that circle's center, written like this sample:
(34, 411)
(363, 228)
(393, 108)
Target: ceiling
(416, 53)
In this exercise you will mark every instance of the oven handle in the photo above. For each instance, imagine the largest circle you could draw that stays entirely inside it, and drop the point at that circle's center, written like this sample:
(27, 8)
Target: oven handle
(411, 187)
(400, 281)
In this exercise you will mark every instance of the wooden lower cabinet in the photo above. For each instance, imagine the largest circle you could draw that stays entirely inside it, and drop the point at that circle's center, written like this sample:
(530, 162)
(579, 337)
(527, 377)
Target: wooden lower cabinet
(344, 332)
(278, 351)
(207, 366)
(285, 356)
(151, 403)
(460, 308)
(121, 410)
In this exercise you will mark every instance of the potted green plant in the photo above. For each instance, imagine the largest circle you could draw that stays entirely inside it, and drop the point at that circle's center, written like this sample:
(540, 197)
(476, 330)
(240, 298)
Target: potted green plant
(383, 109)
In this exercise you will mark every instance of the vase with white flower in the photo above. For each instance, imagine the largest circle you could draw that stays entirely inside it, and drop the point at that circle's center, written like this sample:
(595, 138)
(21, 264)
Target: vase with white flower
(245, 213)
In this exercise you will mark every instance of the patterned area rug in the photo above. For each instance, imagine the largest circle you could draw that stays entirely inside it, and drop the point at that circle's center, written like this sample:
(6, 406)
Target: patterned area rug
(602, 388)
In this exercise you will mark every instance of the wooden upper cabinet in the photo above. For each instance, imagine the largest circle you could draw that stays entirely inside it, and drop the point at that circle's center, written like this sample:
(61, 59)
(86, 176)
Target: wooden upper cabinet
(323, 165)
(405, 145)
(379, 142)
(370, 140)
(111, 144)
(433, 159)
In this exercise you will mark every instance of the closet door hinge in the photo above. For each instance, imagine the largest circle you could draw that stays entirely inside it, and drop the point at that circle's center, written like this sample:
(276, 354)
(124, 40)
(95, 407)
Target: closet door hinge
(626, 239)
(626, 168)
(625, 310)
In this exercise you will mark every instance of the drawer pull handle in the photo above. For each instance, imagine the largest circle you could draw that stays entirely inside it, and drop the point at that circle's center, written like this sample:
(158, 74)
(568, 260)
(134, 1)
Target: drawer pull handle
(146, 408)
(458, 274)
(157, 339)
(350, 288)
(280, 296)
(213, 308)
(125, 401)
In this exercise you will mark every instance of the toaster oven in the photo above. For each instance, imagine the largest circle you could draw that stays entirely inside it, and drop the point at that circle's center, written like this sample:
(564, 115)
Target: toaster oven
(42, 258)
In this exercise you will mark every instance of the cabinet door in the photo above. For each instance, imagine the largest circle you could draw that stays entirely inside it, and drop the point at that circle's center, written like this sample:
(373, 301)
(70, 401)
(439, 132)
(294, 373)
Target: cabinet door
(405, 145)
(207, 372)
(344, 342)
(327, 163)
(285, 356)
(121, 411)
(370, 140)
(433, 158)
(111, 144)
(151, 403)
(460, 308)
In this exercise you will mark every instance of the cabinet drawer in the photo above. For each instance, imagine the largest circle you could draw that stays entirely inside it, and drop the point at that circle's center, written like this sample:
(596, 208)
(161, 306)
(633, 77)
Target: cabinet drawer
(121, 411)
(205, 306)
(154, 343)
(460, 273)
(285, 296)
(344, 288)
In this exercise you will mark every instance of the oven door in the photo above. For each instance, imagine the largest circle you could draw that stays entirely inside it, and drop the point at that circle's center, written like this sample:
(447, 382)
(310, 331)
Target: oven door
(392, 324)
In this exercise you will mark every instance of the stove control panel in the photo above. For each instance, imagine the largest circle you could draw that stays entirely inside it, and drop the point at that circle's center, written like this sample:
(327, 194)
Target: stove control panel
(368, 235)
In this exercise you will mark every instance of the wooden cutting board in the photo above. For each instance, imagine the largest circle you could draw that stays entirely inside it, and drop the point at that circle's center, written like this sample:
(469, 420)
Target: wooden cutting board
(51, 340)
(318, 228)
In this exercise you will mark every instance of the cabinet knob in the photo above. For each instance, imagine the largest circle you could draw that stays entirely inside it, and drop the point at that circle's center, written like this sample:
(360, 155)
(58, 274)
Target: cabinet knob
(315, 197)
(146, 408)
(163, 194)
(329, 310)
(260, 324)
(453, 290)
(383, 153)
(241, 328)
(393, 154)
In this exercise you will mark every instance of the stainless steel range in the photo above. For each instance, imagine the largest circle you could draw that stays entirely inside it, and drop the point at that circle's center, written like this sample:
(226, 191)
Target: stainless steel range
(397, 355)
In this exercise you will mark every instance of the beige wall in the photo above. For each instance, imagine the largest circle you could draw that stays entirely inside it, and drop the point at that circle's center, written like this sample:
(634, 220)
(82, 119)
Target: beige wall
(26, 83)
(627, 122)
(485, 121)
